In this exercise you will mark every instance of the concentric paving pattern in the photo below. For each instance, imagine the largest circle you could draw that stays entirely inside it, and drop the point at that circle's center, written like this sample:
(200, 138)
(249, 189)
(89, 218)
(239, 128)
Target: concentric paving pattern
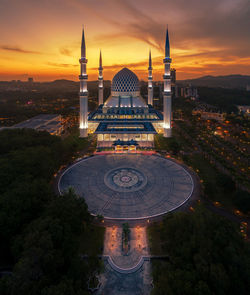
(129, 186)
(125, 180)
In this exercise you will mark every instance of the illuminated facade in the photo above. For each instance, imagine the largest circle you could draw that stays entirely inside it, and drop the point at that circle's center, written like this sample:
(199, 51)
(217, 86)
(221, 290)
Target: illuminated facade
(150, 80)
(125, 120)
(83, 77)
(167, 100)
(100, 81)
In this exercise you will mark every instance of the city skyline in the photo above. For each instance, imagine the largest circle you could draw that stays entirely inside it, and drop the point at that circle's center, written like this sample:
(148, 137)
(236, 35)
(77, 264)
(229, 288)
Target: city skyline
(42, 39)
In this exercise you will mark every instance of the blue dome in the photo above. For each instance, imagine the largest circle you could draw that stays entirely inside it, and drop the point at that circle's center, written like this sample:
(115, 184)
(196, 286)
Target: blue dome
(125, 81)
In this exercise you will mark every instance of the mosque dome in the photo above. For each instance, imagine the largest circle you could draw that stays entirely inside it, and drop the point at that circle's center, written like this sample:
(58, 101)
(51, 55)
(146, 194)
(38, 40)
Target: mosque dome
(125, 91)
(125, 82)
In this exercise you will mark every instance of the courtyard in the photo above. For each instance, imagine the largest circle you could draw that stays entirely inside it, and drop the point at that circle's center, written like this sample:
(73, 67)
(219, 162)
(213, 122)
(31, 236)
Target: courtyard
(129, 186)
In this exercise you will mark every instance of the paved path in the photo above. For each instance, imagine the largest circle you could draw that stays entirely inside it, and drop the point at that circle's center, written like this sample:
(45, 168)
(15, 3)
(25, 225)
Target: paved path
(128, 270)
(115, 283)
(138, 251)
(126, 274)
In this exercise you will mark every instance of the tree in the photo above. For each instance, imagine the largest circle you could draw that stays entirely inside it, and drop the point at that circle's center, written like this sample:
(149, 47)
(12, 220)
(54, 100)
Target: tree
(39, 231)
(207, 255)
(50, 250)
(173, 146)
(226, 183)
(242, 201)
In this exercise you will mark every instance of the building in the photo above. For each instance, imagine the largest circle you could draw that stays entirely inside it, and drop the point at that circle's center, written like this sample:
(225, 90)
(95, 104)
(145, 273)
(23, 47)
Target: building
(209, 115)
(125, 116)
(44, 122)
(174, 87)
(189, 92)
(125, 120)
(244, 109)
(173, 76)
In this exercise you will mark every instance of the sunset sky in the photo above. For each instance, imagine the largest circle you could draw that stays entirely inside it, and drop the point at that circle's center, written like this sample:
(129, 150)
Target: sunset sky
(41, 38)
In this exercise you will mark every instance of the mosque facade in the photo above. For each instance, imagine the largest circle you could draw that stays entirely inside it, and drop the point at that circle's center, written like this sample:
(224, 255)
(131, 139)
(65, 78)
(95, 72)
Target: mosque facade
(125, 120)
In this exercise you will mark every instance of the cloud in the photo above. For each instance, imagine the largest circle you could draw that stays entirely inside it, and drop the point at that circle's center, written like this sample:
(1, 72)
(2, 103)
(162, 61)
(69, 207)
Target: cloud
(61, 65)
(203, 34)
(140, 68)
(120, 66)
(201, 24)
(18, 49)
(65, 51)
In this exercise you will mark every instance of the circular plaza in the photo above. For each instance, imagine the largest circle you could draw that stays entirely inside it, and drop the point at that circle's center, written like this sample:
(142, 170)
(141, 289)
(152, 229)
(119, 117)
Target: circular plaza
(128, 187)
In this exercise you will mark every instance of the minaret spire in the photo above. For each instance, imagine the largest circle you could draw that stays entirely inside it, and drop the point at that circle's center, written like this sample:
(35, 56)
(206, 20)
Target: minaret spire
(83, 47)
(83, 77)
(150, 80)
(100, 60)
(100, 81)
(150, 59)
(167, 47)
(167, 98)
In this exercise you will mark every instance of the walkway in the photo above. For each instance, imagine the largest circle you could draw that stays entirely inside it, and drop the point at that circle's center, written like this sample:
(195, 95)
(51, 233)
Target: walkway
(133, 267)
(113, 248)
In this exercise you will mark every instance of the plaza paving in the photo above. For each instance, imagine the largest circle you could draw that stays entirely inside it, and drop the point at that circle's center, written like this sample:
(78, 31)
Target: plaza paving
(113, 246)
(129, 282)
(115, 283)
(123, 186)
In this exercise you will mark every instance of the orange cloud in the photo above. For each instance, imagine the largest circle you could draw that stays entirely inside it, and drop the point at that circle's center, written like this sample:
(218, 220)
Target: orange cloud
(201, 42)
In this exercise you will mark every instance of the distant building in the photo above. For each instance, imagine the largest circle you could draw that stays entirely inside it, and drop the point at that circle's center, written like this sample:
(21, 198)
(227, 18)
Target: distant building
(189, 92)
(30, 80)
(208, 115)
(244, 109)
(173, 76)
(44, 122)
(174, 87)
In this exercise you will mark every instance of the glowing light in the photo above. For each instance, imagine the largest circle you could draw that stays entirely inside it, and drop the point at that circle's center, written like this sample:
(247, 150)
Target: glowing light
(83, 125)
(166, 125)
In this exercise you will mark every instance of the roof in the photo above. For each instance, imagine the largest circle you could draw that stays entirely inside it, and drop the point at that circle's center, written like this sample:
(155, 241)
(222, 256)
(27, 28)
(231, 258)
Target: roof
(125, 127)
(129, 114)
(37, 121)
(122, 142)
(125, 81)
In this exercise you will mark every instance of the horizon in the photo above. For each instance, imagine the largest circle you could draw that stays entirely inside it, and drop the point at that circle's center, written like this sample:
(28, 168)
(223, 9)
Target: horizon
(96, 80)
(201, 44)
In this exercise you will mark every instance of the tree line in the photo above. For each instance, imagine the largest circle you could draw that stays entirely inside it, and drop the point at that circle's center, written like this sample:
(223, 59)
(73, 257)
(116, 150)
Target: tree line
(207, 255)
(39, 231)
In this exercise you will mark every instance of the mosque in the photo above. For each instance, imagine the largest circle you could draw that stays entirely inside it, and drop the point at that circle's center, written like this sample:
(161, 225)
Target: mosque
(129, 187)
(125, 121)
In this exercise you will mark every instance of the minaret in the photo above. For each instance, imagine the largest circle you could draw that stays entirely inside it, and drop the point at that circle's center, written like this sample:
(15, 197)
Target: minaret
(100, 81)
(83, 77)
(167, 91)
(150, 80)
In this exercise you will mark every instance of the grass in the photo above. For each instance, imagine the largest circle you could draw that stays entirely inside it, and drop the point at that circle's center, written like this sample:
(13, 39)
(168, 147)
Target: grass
(91, 242)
